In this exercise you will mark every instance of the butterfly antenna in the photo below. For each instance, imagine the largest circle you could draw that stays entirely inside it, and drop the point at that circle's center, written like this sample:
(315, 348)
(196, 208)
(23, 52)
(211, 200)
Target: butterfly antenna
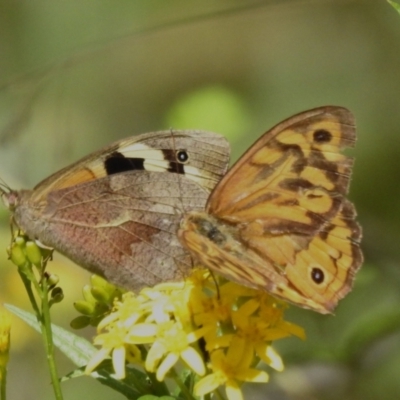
(4, 188)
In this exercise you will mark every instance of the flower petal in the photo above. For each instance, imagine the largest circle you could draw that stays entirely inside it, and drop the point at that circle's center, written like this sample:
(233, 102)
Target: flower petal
(118, 360)
(235, 351)
(143, 331)
(233, 391)
(293, 329)
(276, 360)
(166, 365)
(252, 375)
(97, 359)
(154, 355)
(206, 385)
(193, 359)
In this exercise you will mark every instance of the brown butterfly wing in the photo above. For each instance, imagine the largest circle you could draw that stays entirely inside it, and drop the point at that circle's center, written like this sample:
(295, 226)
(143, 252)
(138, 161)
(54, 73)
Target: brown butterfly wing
(279, 219)
(116, 211)
(123, 227)
(207, 159)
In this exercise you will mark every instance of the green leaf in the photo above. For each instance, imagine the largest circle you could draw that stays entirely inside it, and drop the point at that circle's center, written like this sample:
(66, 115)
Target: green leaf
(151, 397)
(395, 5)
(132, 387)
(80, 351)
(77, 349)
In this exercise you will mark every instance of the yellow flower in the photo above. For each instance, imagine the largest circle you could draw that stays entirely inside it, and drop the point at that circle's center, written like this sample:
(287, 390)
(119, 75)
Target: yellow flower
(230, 369)
(217, 329)
(258, 332)
(172, 343)
(115, 341)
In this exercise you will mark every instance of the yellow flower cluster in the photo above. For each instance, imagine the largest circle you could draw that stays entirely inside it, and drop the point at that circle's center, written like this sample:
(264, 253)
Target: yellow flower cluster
(235, 324)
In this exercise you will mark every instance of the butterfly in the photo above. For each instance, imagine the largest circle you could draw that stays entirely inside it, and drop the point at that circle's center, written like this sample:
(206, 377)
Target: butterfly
(279, 220)
(116, 212)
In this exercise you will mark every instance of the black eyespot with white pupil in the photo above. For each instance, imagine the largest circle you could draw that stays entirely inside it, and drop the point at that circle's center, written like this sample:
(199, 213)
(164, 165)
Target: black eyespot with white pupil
(322, 136)
(182, 156)
(317, 275)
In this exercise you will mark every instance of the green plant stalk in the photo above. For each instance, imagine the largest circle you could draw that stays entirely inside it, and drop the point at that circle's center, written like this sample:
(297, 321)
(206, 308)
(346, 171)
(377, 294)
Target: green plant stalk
(218, 394)
(184, 390)
(28, 287)
(138, 385)
(3, 384)
(43, 317)
(47, 336)
(161, 387)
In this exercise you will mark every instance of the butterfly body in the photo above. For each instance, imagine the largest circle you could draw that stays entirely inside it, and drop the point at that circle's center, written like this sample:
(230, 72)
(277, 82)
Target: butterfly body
(116, 212)
(279, 219)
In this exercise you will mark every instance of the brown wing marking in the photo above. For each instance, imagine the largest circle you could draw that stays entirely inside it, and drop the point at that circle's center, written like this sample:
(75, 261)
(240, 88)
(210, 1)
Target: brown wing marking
(208, 159)
(325, 270)
(293, 178)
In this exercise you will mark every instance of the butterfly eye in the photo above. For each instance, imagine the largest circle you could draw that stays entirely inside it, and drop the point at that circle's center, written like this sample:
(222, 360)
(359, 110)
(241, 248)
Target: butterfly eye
(322, 136)
(182, 156)
(317, 275)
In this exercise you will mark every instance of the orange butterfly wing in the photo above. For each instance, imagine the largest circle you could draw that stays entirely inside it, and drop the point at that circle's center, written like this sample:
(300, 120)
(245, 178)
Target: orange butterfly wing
(293, 178)
(279, 219)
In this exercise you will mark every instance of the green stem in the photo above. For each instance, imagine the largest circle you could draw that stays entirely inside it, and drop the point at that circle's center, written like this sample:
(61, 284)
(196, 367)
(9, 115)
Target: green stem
(3, 373)
(138, 384)
(159, 388)
(218, 394)
(47, 335)
(28, 287)
(43, 317)
(42, 310)
(184, 390)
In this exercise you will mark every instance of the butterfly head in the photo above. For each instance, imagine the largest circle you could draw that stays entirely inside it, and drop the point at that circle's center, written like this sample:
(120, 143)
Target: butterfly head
(12, 199)
(8, 196)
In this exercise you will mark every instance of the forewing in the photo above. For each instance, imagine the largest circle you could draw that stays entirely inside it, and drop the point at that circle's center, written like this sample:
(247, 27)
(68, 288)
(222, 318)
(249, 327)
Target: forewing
(293, 179)
(202, 156)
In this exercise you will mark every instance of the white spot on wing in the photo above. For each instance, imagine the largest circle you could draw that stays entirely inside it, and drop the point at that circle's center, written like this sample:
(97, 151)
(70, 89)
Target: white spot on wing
(140, 150)
(194, 173)
(156, 165)
(153, 158)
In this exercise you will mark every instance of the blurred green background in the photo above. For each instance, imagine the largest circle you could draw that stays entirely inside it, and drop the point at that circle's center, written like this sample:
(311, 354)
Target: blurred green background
(77, 75)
